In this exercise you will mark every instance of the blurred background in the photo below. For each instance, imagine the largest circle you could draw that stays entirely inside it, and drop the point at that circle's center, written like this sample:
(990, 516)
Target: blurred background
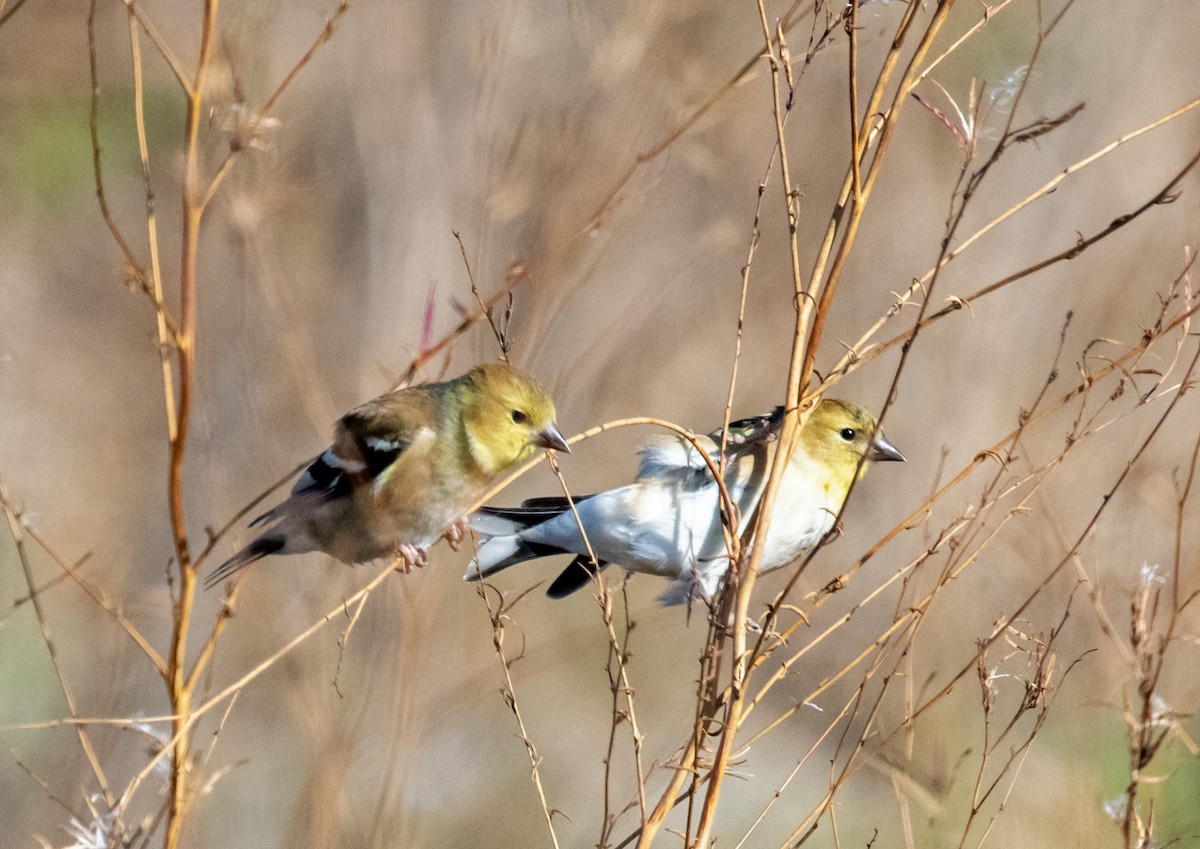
(512, 123)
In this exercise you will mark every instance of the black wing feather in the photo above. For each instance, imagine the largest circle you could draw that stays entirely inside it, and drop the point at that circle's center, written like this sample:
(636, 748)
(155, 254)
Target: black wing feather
(578, 574)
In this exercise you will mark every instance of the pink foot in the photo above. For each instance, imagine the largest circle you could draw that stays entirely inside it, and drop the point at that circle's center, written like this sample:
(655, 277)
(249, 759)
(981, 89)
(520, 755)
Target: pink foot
(410, 557)
(456, 533)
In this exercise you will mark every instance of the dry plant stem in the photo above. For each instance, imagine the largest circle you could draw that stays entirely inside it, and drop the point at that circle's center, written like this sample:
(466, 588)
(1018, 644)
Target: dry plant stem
(42, 589)
(237, 147)
(192, 212)
(803, 354)
(751, 250)
(344, 639)
(94, 128)
(189, 86)
(231, 690)
(501, 339)
(1148, 724)
(916, 607)
(85, 742)
(619, 682)
(135, 271)
(737, 594)
(989, 12)
(671, 798)
(41, 782)
(215, 537)
(855, 132)
(71, 571)
(156, 292)
(809, 825)
(499, 616)
(1038, 691)
(859, 354)
(516, 275)
(204, 656)
(804, 759)
(5, 15)
(181, 336)
(859, 199)
(1083, 535)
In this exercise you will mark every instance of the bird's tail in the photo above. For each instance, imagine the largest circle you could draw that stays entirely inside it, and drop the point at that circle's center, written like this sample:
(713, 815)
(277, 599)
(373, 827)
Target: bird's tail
(498, 553)
(269, 543)
(501, 545)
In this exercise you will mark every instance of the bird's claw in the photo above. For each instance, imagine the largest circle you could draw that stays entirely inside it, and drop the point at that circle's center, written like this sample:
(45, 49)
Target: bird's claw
(726, 627)
(456, 533)
(410, 557)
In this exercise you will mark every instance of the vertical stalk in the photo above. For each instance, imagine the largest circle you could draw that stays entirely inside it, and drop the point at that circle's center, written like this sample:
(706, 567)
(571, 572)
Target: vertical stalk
(193, 211)
(810, 319)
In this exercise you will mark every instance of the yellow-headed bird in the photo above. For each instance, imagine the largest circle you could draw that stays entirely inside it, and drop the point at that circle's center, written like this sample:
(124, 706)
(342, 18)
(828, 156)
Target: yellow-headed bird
(668, 522)
(405, 467)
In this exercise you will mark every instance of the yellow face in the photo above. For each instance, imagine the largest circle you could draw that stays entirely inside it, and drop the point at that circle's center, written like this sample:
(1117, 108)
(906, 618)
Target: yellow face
(839, 435)
(507, 417)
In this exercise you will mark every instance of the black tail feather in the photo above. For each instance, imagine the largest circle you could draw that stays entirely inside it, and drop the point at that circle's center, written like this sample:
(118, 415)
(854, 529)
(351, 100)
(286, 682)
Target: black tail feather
(257, 550)
(534, 511)
(521, 552)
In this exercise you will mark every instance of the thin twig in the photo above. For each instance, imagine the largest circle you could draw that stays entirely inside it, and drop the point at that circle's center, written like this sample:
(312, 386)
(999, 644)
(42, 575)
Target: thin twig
(85, 741)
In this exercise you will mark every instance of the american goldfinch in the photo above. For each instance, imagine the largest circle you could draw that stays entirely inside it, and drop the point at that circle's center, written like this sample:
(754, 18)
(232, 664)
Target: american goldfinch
(404, 468)
(668, 522)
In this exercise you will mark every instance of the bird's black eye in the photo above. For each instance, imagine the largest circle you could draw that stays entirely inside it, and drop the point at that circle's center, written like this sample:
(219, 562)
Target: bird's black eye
(848, 434)
(519, 417)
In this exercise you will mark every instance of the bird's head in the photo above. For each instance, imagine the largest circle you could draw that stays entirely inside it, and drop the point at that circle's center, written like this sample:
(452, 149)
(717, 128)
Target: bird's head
(838, 434)
(507, 416)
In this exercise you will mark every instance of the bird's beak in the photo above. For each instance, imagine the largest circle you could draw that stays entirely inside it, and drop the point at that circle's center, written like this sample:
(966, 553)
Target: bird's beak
(881, 449)
(551, 437)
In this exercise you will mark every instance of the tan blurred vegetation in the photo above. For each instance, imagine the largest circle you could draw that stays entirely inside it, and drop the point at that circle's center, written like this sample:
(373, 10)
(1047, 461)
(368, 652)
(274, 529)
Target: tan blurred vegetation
(513, 124)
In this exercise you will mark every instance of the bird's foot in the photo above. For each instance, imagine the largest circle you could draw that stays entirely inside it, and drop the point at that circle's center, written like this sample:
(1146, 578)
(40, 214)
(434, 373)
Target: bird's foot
(752, 626)
(410, 557)
(456, 533)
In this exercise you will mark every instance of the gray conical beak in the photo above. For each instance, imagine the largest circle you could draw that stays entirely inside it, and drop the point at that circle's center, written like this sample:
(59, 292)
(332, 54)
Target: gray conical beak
(881, 449)
(551, 437)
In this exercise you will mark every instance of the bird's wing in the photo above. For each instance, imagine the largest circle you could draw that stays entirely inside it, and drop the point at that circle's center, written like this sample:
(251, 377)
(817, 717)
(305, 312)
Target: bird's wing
(750, 431)
(372, 436)
(366, 444)
(577, 575)
(675, 458)
(669, 457)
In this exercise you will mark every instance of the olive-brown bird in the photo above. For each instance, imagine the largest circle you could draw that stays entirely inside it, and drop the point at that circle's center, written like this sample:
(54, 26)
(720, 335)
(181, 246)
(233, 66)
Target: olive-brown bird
(404, 469)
